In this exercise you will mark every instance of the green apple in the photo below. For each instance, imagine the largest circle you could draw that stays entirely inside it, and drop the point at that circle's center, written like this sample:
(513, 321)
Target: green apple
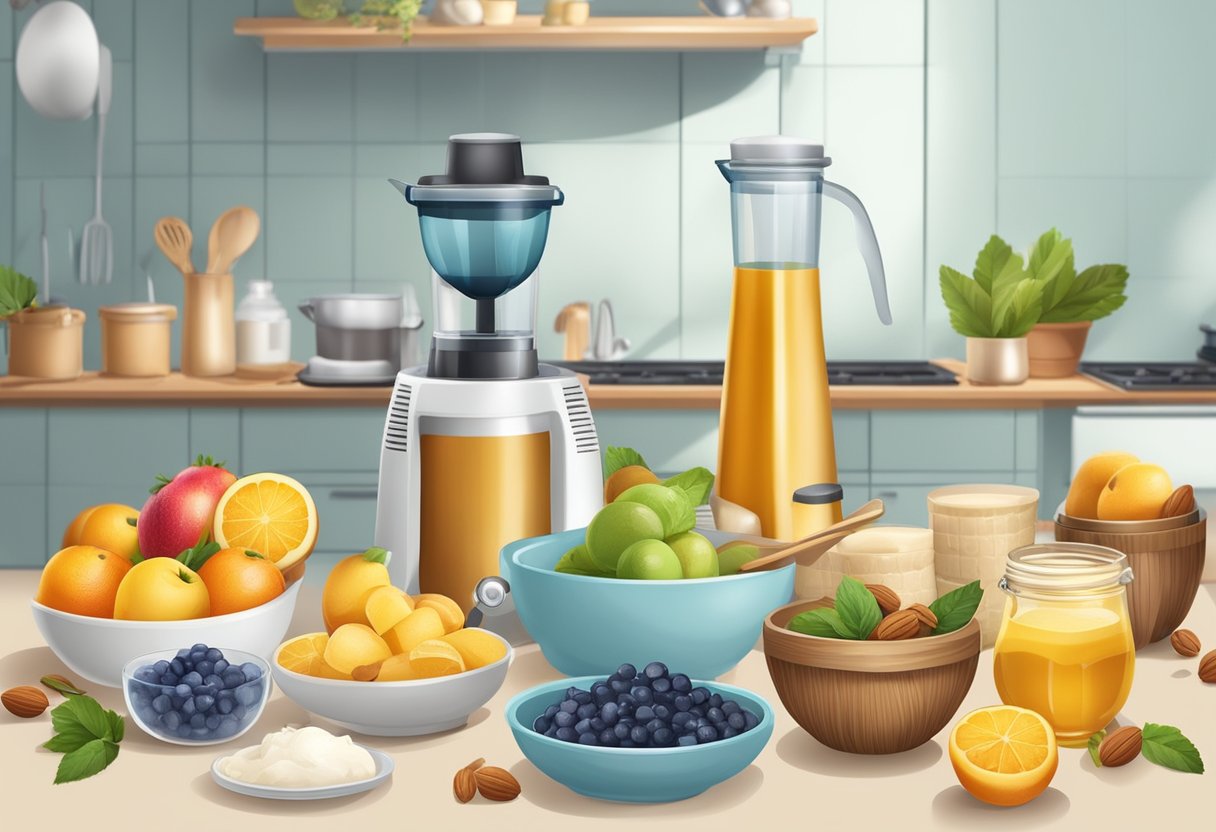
(698, 557)
(733, 555)
(670, 504)
(649, 560)
(615, 527)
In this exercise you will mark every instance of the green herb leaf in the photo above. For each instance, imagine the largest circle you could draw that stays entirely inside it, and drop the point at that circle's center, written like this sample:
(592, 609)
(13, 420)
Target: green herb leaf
(1025, 305)
(857, 608)
(617, 458)
(969, 305)
(376, 555)
(17, 291)
(118, 726)
(1097, 292)
(992, 260)
(822, 622)
(60, 687)
(68, 741)
(86, 761)
(1095, 742)
(956, 608)
(696, 483)
(1166, 746)
(85, 713)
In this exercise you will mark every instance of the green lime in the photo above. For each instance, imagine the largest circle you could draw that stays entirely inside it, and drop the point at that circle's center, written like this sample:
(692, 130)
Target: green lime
(734, 555)
(698, 557)
(649, 560)
(615, 527)
(670, 504)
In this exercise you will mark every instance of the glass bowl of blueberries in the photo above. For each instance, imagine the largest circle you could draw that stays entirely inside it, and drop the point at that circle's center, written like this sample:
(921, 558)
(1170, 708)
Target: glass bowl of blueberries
(198, 695)
(640, 736)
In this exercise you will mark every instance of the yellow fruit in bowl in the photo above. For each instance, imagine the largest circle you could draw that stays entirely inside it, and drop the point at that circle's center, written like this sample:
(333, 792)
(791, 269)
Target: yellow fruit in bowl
(385, 607)
(161, 589)
(1091, 478)
(476, 647)
(297, 655)
(271, 514)
(397, 669)
(623, 479)
(1135, 492)
(435, 657)
(110, 527)
(421, 625)
(1004, 755)
(354, 645)
(344, 599)
(449, 611)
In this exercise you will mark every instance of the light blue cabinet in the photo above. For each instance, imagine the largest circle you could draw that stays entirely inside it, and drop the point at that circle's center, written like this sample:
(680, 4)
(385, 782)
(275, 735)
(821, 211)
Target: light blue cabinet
(23, 540)
(111, 446)
(339, 439)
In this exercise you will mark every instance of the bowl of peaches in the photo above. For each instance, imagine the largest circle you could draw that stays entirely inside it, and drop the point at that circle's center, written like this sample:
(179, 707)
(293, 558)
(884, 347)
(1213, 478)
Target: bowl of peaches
(390, 664)
(209, 558)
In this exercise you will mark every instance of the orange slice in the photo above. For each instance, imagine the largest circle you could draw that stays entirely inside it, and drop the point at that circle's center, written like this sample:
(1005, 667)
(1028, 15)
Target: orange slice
(1004, 755)
(297, 655)
(435, 658)
(271, 514)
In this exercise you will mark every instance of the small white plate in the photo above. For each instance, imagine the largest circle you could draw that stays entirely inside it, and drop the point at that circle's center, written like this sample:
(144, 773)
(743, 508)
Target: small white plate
(384, 770)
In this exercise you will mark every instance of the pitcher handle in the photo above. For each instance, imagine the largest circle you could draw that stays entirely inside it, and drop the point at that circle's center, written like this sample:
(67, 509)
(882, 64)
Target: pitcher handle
(868, 243)
(306, 309)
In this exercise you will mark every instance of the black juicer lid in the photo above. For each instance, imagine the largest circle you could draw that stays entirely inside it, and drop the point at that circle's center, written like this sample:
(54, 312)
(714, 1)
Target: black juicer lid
(484, 159)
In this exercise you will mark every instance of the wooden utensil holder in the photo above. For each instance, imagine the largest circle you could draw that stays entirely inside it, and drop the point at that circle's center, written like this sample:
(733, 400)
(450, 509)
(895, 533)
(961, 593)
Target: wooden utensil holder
(208, 326)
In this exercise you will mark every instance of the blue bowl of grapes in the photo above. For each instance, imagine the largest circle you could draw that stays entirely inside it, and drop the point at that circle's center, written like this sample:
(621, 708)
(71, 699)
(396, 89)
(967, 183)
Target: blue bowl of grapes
(197, 695)
(639, 735)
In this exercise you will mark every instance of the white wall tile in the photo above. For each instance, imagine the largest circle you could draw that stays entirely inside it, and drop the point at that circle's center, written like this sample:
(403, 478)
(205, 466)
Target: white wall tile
(725, 91)
(1092, 212)
(162, 82)
(814, 46)
(1169, 229)
(802, 102)
(707, 258)
(226, 75)
(386, 97)
(310, 98)
(875, 32)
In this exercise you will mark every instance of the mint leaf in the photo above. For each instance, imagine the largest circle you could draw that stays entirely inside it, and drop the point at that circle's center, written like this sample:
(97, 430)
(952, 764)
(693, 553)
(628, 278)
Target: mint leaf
(822, 622)
(17, 291)
(86, 761)
(118, 726)
(89, 715)
(857, 608)
(1166, 746)
(696, 483)
(65, 742)
(1095, 742)
(970, 306)
(617, 458)
(956, 608)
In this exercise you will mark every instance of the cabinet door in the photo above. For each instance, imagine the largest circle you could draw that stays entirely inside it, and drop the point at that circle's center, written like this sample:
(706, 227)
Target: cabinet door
(23, 540)
(313, 439)
(24, 446)
(905, 504)
(110, 446)
(942, 440)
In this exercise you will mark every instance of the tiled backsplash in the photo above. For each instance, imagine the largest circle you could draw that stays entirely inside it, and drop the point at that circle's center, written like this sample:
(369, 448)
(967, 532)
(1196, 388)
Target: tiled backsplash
(1024, 126)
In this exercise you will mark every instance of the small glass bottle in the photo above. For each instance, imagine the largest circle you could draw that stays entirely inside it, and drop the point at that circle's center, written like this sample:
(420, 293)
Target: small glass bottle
(263, 330)
(1065, 645)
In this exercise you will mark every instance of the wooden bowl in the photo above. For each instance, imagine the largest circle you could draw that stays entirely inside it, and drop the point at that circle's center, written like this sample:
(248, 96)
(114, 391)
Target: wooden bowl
(869, 697)
(1166, 557)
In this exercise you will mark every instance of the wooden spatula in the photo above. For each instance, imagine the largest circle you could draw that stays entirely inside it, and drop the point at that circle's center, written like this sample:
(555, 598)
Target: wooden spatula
(174, 239)
(810, 549)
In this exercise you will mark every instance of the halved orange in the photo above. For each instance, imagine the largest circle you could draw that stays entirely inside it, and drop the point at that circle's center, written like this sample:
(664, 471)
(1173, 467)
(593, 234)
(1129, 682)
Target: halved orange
(297, 655)
(271, 514)
(1004, 755)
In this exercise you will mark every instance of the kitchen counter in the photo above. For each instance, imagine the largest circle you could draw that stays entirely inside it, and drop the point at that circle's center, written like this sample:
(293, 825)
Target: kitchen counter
(282, 390)
(793, 777)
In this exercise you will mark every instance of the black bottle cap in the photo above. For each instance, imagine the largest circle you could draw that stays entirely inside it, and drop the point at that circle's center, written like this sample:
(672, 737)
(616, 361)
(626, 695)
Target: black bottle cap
(819, 494)
(484, 159)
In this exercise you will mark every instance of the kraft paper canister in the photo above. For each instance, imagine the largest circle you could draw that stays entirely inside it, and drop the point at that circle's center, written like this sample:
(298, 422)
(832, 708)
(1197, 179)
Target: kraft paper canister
(136, 339)
(46, 342)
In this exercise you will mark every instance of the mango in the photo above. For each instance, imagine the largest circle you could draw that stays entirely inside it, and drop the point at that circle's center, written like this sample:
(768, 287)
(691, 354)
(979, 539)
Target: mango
(422, 624)
(449, 611)
(385, 607)
(352, 645)
(476, 647)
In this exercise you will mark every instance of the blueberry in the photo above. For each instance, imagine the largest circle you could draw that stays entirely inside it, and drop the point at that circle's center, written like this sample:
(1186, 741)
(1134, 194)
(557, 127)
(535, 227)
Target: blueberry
(169, 679)
(193, 679)
(654, 725)
(200, 733)
(248, 694)
(583, 697)
(627, 671)
(188, 708)
(213, 654)
(203, 702)
(697, 711)
(707, 733)
(586, 711)
(750, 720)
(686, 740)
(663, 712)
(588, 739)
(224, 706)
(661, 685)
(639, 734)
(228, 726)
(601, 694)
(183, 690)
(551, 711)
(205, 668)
(147, 674)
(625, 709)
(682, 703)
(220, 666)
(198, 721)
(162, 704)
(680, 683)
(620, 731)
(730, 706)
(251, 671)
(569, 706)
(610, 713)
(161, 667)
(627, 699)
(552, 732)
(184, 730)
(609, 738)
(239, 711)
(737, 721)
(715, 701)
(541, 724)
(699, 696)
(663, 736)
(171, 720)
(728, 732)
(627, 743)
(177, 666)
(715, 715)
(198, 648)
(583, 726)
(196, 656)
(564, 719)
(644, 713)
(644, 696)
(655, 670)
(567, 734)
(233, 678)
(620, 685)
(598, 724)
(680, 719)
(213, 722)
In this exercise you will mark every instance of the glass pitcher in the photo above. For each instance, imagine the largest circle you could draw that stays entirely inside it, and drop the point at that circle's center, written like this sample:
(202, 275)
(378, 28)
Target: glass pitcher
(776, 452)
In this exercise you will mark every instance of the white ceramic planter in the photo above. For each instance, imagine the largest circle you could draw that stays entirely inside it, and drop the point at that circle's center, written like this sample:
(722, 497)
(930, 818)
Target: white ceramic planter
(997, 360)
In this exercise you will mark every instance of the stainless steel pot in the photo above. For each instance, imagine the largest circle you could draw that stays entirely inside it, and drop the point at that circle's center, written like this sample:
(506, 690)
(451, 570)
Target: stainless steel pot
(356, 327)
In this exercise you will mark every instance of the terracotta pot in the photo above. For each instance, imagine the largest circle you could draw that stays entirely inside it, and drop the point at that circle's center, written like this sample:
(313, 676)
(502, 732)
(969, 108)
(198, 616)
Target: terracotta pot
(46, 342)
(997, 361)
(1055, 349)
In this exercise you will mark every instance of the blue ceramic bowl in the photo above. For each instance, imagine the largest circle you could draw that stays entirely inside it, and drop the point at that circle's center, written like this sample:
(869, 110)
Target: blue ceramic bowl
(636, 775)
(587, 625)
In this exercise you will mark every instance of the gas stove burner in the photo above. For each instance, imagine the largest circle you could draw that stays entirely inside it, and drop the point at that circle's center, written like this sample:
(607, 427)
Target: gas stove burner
(1154, 376)
(692, 373)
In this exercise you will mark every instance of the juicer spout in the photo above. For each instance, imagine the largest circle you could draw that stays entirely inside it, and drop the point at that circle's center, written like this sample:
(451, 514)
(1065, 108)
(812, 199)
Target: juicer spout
(867, 241)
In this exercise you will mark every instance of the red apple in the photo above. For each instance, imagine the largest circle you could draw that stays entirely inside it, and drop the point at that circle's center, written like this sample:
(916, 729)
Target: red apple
(180, 510)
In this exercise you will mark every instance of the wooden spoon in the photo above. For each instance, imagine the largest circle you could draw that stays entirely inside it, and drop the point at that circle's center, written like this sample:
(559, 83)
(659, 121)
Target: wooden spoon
(811, 548)
(231, 236)
(174, 239)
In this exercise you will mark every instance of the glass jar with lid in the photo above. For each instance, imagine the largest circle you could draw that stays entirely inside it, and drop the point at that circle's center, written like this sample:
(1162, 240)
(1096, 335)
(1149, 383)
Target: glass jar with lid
(1065, 645)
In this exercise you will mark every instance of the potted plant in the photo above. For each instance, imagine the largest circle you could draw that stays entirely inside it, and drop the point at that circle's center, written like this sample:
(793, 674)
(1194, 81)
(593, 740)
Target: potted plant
(44, 342)
(1071, 303)
(994, 309)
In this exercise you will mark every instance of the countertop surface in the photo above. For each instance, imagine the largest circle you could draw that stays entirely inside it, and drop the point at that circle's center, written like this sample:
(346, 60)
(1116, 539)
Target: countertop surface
(794, 777)
(282, 389)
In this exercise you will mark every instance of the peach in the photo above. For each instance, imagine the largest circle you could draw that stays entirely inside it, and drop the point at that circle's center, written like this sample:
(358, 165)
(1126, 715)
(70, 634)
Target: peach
(1091, 478)
(1135, 492)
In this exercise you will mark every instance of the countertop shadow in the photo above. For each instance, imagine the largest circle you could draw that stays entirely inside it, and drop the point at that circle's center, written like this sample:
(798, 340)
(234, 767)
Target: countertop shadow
(953, 808)
(802, 751)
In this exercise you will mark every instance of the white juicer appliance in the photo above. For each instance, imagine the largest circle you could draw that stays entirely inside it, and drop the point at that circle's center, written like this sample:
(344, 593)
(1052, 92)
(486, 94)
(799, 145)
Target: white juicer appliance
(483, 445)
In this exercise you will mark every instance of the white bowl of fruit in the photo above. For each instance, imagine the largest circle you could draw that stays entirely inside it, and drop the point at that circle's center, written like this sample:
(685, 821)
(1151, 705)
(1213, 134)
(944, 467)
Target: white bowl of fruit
(390, 664)
(210, 558)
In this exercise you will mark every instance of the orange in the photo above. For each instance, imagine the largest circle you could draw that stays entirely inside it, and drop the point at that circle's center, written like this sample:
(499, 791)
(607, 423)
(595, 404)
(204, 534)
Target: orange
(1090, 479)
(297, 654)
(434, 658)
(1135, 492)
(83, 580)
(625, 478)
(240, 579)
(476, 647)
(106, 527)
(1004, 755)
(268, 513)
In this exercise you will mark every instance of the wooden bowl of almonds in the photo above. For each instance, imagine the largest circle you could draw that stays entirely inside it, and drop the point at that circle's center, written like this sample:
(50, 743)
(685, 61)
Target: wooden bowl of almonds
(872, 688)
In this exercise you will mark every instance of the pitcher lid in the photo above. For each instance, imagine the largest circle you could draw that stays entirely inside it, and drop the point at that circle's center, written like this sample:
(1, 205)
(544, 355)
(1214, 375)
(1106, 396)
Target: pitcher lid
(778, 150)
(483, 168)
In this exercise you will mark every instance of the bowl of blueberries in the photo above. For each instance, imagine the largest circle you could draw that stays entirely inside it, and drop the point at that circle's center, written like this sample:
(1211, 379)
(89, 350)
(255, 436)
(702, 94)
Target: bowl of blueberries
(647, 736)
(198, 695)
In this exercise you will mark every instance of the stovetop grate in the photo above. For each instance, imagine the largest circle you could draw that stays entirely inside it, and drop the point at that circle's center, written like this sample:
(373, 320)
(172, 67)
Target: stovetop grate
(901, 373)
(1134, 375)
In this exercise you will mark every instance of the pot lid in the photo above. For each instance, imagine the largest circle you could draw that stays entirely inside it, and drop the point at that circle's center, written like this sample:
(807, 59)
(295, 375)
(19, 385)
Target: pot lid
(139, 311)
(482, 167)
(49, 316)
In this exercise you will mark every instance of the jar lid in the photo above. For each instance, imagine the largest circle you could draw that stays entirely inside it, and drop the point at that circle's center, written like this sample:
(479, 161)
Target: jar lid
(1058, 569)
(50, 316)
(139, 312)
(981, 499)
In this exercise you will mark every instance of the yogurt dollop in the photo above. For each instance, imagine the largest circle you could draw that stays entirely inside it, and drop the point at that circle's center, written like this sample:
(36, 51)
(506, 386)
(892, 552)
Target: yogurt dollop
(300, 758)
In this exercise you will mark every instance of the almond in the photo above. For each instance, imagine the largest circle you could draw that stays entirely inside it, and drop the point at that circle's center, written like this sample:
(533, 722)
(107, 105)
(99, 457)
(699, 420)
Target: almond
(1182, 501)
(1185, 643)
(1207, 668)
(1120, 746)
(26, 701)
(366, 672)
(926, 617)
(899, 625)
(496, 783)
(465, 785)
(888, 600)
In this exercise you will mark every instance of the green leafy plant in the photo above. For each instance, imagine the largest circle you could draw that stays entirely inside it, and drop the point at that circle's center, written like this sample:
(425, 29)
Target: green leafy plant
(17, 291)
(384, 14)
(999, 300)
(856, 612)
(1069, 297)
(616, 458)
(86, 735)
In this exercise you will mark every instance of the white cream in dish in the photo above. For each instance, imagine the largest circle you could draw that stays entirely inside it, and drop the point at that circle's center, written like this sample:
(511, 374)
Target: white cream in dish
(300, 758)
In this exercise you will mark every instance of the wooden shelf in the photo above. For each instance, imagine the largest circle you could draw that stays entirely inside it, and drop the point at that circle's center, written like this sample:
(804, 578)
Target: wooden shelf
(599, 33)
